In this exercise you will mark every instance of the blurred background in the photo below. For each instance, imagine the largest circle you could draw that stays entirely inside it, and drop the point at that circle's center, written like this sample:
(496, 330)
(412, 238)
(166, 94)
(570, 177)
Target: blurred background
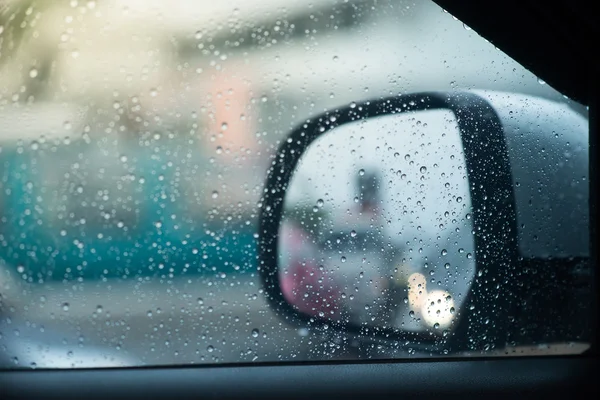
(135, 136)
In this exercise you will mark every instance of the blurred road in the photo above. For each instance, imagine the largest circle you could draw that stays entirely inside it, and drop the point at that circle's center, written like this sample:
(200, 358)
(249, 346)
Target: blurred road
(184, 321)
(154, 322)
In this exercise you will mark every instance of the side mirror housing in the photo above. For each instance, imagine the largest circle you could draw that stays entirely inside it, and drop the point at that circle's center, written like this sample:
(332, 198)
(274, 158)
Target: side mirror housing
(451, 221)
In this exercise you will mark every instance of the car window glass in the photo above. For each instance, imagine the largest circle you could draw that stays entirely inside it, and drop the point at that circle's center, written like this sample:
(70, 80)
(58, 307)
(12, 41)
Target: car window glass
(135, 137)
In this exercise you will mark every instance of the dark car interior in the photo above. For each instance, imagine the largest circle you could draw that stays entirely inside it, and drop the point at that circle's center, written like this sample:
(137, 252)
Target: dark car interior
(556, 41)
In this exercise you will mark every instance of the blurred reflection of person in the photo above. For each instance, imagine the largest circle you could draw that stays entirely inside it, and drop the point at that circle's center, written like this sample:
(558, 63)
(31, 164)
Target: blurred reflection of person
(394, 272)
(363, 253)
(370, 248)
(369, 195)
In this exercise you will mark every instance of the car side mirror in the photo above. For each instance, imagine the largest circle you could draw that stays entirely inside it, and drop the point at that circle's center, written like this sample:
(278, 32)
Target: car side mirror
(450, 221)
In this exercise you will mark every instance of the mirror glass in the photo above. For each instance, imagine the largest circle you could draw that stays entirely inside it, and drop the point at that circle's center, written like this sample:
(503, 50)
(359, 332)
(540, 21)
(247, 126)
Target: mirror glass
(377, 226)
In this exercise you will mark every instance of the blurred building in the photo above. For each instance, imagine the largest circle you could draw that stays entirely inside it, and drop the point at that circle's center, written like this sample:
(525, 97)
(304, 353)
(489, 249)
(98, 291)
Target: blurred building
(235, 75)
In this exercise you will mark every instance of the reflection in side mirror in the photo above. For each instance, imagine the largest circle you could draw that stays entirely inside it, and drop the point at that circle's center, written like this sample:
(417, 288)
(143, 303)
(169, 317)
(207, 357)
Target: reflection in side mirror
(376, 227)
(450, 221)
